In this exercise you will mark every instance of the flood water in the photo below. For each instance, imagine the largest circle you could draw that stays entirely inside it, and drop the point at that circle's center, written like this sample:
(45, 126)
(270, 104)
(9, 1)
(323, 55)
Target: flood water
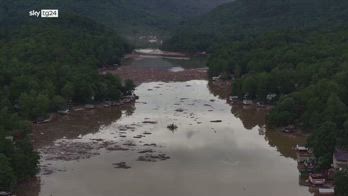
(217, 149)
(207, 158)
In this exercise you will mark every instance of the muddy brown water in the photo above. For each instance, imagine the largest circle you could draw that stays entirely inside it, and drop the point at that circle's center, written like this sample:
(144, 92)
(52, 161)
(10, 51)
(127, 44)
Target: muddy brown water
(231, 157)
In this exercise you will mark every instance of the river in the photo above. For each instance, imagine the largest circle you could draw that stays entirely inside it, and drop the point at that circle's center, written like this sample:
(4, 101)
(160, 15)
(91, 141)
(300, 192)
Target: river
(216, 149)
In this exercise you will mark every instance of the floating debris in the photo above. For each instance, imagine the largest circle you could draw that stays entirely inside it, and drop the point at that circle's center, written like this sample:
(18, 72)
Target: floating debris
(138, 136)
(216, 121)
(163, 157)
(121, 165)
(129, 143)
(116, 148)
(68, 151)
(146, 151)
(153, 158)
(97, 140)
(149, 122)
(172, 127)
(179, 110)
(146, 158)
(153, 144)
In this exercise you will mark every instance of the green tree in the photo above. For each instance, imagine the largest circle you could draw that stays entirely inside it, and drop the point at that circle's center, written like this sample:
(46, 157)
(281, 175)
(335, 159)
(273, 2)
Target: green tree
(68, 91)
(336, 110)
(285, 112)
(342, 139)
(341, 181)
(323, 142)
(58, 103)
(129, 87)
(7, 176)
(25, 160)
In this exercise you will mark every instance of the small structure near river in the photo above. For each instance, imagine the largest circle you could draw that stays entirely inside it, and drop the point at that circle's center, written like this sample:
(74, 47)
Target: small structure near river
(340, 159)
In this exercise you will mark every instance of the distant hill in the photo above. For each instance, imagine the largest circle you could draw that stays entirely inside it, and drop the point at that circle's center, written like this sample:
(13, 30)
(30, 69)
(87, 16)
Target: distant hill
(243, 18)
(126, 16)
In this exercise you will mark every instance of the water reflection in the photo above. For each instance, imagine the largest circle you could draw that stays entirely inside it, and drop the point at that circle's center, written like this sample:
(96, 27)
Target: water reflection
(251, 116)
(221, 89)
(284, 143)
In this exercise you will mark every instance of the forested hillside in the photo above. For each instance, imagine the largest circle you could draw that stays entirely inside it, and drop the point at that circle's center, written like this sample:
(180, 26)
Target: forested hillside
(44, 65)
(243, 19)
(128, 17)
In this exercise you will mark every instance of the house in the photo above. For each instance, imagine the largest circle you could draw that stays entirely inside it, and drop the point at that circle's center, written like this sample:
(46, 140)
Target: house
(271, 96)
(289, 129)
(63, 112)
(247, 102)
(216, 78)
(233, 98)
(304, 154)
(326, 191)
(317, 179)
(10, 138)
(340, 159)
(260, 105)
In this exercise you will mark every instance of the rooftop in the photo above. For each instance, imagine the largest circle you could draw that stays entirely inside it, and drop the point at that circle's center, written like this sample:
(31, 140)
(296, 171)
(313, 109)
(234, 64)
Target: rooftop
(341, 155)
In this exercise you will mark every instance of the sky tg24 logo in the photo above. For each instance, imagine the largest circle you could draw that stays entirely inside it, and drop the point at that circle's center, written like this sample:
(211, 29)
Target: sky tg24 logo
(45, 13)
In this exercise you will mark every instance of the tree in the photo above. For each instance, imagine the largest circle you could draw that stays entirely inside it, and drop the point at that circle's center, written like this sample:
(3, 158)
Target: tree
(341, 181)
(336, 110)
(342, 139)
(68, 91)
(323, 142)
(26, 104)
(129, 87)
(58, 103)
(249, 87)
(25, 160)
(7, 176)
(41, 106)
(284, 114)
